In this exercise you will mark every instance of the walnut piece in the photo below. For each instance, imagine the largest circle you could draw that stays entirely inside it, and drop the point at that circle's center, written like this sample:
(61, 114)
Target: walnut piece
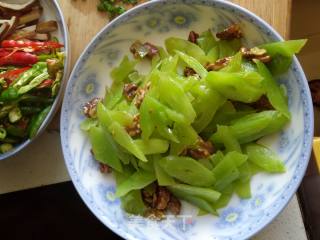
(262, 104)
(162, 198)
(104, 168)
(200, 150)
(193, 37)
(134, 130)
(140, 94)
(230, 33)
(219, 64)
(129, 91)
(189, 72)
(159, 201)
(174, 205)
(256, 53)
(155, 214)
(142, 50)
(90, 108)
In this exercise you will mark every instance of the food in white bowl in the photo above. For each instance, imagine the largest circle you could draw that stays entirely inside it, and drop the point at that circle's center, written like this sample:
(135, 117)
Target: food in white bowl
(153, 23)
(32, 68)
(189, 128)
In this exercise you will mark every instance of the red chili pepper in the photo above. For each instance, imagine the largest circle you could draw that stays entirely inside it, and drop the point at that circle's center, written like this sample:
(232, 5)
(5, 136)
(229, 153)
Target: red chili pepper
(45, 84)
(17, 58)
(11, 75)
(35, 45)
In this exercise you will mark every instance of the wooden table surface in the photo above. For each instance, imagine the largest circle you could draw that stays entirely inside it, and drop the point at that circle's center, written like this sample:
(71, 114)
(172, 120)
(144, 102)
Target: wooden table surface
(84, 21)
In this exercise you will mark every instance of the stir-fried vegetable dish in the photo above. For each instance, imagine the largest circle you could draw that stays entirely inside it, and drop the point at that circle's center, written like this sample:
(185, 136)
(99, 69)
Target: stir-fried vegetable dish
(31, 70)
(189, 129)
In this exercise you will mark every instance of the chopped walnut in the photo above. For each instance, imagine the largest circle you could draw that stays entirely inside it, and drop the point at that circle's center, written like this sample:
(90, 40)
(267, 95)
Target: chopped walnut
(134, 130)
(141, 50)
(189, 72)
(193, 37)
(90, 108)
(129, 91)
(155, 214)
(140, 94)
(162, 198)
(148, 197)
(262, 104)
(104, 168)
(219, 64)
(200, 150)
(174, 205)
(256, 53)
(152, 49)
(230, 33)
(315, 91)
(159, 201)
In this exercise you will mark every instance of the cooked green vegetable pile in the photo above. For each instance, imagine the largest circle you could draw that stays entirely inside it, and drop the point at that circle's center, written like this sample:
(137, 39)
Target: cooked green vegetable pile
(188, 129)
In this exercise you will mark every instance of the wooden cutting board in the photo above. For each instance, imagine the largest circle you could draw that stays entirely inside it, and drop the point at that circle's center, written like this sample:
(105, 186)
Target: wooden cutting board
(84, 21)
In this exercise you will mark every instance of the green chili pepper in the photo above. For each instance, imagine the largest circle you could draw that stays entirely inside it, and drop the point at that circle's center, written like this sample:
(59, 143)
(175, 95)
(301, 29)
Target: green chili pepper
(9, 94)
(243, 189)
(28, 110)
(206, 106)
(173, 95)
(204, 193)
(282, 54)
(27, 98)
(152, 146)
(187, 170)
(189, 48)
(274, 93)
(169, 64)
(235, 64)
(37, 122)
(163, 178)
(113, 95)
(131, 202)
(30, 74)
(138, 180)
(225, 198)
(229, 48)
(227, 170)
(264, 158)
(34, 82)
(3, 133)
(207, 41)
(16, 131)
(240, 86)
(57, 83)
(194, 64)
(254, 126)
(216, 158)
(104, 148)
(230, 142)
(6, 147)
(119, 74)
(200, 203)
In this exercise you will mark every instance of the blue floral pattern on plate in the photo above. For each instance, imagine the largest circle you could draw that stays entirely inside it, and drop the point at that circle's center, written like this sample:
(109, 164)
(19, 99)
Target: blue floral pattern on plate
(154, 22)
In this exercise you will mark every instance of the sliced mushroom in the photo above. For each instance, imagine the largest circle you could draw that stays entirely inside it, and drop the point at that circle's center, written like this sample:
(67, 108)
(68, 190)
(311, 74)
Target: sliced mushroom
(9, 9)
(8, 27)
(27, 32)
(40, 37)
(3, 29)
(34, 15)
(19, 6)
(47, 27)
